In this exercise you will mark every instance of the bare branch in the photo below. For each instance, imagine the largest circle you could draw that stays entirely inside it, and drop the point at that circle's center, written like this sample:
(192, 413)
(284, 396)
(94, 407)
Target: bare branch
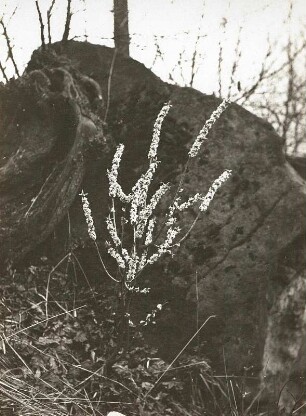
(220, 57)
(193, 62)
(42, 26)
(2, 69)
(264, 74)
(195, 55)
(49, 15)
(289, 95)
(235, 63)
(12, 15)
(286, 63)
(9, 47)
(158, 53)
(111, 70)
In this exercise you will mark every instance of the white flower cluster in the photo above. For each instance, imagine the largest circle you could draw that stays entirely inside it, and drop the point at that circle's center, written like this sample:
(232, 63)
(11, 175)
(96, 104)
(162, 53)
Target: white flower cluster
(140, 192)
(135, 264)
(132, 268)
(191, 201)
(144, 291)
(126, 255)
(205, 200)
(139, 209)
(114, 253)
(148, 210)
(88, 216)
(207, 126)
(157, 129)
(149, 235)
(181, 207)
(150, 318)
(166, 246)
(143, 260)
(213, 189)
(112, 174)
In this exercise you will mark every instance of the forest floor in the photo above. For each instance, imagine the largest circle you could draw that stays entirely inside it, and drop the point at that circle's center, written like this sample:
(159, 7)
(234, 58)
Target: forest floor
(60, 357)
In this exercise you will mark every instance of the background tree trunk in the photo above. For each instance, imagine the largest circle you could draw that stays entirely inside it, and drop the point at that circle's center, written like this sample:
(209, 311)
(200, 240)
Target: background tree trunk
(121, 27)
(67, 23)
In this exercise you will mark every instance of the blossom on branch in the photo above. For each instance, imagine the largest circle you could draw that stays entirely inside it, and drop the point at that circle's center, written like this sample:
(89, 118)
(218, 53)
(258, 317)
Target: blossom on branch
(157, 129)
(206, 128)
(213, 189)
(88, 216)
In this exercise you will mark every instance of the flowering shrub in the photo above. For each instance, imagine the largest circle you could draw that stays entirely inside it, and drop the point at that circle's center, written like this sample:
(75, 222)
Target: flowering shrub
(137, 239)
(149, 242)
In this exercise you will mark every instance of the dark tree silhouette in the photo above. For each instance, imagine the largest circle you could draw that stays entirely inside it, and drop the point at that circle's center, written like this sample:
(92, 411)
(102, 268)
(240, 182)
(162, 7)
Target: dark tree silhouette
(121, 27)
(42, 26)
(68, 21)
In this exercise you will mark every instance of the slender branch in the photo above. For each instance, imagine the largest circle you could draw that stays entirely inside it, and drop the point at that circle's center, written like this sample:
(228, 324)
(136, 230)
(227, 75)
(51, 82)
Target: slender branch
(193, 61)
(103, 264)
(2, 69)
(235, 63)
(195, 53)
(220, 58)
(49, 15)
(289, 95)
(42, 26)
(9, 47)
(158, 52)
(267, 73)
(109, 83)
(12, 15)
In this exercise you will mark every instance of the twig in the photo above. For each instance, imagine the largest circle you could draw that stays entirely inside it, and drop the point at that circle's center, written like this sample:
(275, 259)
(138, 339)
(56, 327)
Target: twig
(42, 26)
(9, 47)
(158, 53)
(299, 408)
(3, 72)
(109, 84)
(39, 193)
(103, 264)
(195, 54)
(233, 392)
(49, 278)
(289, 96)
(49, 15)
(235, 63)
(226, 377)
(220, 58)
(12, 15)
(84, 274)
(16, 353)
(253, 401)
